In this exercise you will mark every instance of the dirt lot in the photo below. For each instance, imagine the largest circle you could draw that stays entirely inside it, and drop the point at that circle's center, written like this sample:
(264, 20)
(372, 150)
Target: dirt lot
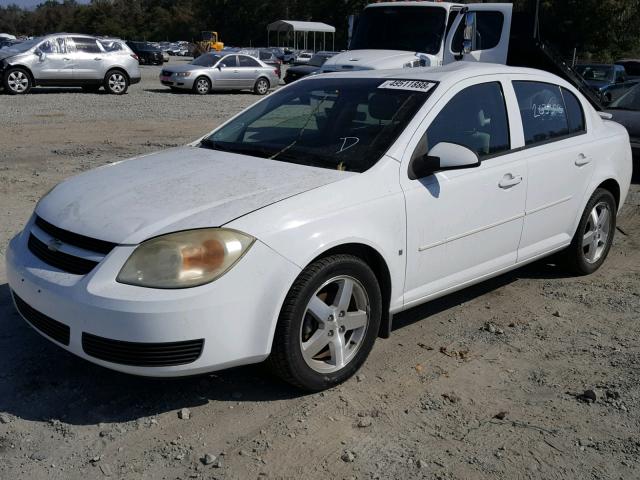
(483, 384)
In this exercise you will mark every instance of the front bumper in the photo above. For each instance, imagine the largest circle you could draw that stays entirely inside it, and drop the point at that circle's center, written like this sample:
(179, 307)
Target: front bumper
(233, 318)
(178, 82)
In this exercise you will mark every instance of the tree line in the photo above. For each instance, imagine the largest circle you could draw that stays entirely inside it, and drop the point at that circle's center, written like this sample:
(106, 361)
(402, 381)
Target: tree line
(599, 29)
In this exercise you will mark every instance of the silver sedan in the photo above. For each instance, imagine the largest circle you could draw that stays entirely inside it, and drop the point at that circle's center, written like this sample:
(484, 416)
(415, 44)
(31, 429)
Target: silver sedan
(214, 71)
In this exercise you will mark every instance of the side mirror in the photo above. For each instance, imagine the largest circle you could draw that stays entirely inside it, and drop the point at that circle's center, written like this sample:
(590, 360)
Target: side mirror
(444, 156)
(41, 55)
(220, 66)
(469, 32)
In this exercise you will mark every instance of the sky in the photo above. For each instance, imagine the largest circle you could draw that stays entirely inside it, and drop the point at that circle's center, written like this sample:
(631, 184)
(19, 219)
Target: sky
(28, 3)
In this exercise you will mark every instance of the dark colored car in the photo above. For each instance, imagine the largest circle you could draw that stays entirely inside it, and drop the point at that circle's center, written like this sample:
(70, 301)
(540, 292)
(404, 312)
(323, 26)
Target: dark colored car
(313, 66)
(626, 111)
(285, 55)
(264, 55)
(631, 66)
(608, 81)
(147, 53)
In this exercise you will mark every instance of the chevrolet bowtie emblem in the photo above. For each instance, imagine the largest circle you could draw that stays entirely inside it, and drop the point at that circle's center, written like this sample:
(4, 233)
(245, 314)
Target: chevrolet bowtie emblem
(54, 244)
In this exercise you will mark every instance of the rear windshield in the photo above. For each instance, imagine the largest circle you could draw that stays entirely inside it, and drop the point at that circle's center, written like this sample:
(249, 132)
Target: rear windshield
(342, 124)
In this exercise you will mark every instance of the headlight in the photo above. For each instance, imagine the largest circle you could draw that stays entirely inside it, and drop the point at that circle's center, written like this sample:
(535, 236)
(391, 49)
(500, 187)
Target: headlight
(183, 74)
(184, 259)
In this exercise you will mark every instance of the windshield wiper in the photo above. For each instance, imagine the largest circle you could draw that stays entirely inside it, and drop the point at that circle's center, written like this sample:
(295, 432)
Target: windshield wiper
(234, 148)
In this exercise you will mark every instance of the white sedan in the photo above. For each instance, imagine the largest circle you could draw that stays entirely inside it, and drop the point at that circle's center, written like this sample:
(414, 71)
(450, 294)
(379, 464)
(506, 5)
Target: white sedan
(296, 230)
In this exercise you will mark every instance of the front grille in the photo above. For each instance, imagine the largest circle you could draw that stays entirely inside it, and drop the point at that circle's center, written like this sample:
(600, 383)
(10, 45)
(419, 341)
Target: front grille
(51, 328)
(142, 354)
(166, 73)
(80, 241)
(63, 261)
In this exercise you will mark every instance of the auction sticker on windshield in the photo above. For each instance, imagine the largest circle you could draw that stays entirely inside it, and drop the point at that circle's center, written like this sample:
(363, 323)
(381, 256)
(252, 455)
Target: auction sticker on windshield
(417, 85)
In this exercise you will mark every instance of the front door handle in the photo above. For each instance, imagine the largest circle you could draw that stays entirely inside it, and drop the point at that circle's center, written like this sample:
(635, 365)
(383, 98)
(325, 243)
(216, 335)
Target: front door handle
(582, 160)
(66, 59)
(98, 58)
(509, 181)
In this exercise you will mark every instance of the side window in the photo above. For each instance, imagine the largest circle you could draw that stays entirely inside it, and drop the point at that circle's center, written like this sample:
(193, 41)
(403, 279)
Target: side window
(86, 45)
(476, 118)
(542, 109)
(575, 113)
(247, 61)
(488, 32)
(49, 46)
(230, 61)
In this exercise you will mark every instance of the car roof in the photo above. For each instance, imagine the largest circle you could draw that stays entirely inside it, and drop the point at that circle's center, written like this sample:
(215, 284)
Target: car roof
(452, 72)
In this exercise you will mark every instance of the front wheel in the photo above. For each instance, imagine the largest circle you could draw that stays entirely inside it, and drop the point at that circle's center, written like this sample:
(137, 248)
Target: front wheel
(17, 81)
(116, 83)
(261, 87)
(594, 236)
(328, 323)
(202, 86)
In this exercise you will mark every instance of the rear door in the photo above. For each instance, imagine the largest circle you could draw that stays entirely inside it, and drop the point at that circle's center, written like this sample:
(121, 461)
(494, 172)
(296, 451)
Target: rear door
(248, 71)
(89, 59)
(489, 32)
(559, 163)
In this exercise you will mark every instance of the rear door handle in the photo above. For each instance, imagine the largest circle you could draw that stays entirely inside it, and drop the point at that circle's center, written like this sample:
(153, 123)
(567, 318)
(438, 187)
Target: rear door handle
(98, 58)
(582, 160)
(66, 59)
(509, 181)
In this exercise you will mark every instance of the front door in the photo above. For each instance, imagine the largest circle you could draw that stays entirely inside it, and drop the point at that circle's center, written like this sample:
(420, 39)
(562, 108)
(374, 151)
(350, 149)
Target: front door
(227, 74)
(464, 224)
(54, 64)
(489, 29)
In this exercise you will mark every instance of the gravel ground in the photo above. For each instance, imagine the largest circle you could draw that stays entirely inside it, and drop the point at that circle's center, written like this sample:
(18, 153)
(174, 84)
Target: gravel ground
(531, 375)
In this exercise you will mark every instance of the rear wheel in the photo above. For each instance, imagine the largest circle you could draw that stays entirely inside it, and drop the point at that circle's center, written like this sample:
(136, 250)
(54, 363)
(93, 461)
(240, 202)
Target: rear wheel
(328, 323)
(116, 82)
(261, 87)
(594, 236)
(202, 85)
(17, 81)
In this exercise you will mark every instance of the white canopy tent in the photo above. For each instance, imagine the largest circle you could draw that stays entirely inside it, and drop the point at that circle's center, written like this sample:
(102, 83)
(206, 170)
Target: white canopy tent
(300, 32)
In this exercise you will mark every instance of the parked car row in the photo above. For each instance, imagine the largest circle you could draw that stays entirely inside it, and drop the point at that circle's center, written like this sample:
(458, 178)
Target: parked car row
(312, 67)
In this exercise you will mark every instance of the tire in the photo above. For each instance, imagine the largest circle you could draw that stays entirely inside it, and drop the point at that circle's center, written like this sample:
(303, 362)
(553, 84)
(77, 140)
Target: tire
(202, 86)
(594, 236)
(17, 81)
(261, 86)
(336, 331)
(91, 88)
(116, 82)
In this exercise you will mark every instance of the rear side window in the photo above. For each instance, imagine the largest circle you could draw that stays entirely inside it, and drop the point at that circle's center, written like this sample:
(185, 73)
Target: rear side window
(542, 110)
(575, 113)
(248, 62)
(476, 118)
(230, 61)
(488, 32)
(87, 45)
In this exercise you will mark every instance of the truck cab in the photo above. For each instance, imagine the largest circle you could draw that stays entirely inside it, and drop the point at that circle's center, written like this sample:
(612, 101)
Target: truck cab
(407, 34)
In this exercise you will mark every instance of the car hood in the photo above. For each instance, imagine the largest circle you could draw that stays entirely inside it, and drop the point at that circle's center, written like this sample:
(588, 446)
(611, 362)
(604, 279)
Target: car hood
(178, 189)
(303, 69)
(8, 53)
(630, 119)
(370, 60)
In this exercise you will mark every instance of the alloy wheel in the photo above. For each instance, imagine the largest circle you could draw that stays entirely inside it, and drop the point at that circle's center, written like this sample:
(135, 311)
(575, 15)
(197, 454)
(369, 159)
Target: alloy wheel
(117, 83)
(202, 86)
(18, 81)
(597, 231)
(335, 324)
(262, 87)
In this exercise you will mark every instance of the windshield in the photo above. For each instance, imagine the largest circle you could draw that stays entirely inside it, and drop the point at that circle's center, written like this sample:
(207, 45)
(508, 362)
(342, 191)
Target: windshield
(413, 29)
(602, 73)
(341, 124)
(629, 101)
(24, 46)
(207, 60)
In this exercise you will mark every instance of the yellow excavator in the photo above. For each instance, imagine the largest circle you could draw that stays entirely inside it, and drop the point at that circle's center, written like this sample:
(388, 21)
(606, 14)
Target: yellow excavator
(210, 41)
